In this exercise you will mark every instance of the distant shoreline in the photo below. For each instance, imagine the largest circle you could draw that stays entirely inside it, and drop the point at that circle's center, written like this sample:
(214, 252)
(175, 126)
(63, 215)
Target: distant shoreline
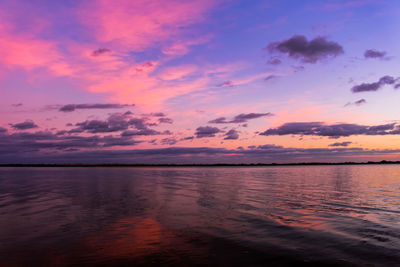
(383, 162)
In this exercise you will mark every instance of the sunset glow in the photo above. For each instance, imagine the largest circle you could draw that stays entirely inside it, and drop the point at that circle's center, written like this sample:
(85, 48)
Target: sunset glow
(186, 81)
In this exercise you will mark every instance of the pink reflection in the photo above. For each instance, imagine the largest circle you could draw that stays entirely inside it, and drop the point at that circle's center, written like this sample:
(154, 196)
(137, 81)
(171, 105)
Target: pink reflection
(128, 240)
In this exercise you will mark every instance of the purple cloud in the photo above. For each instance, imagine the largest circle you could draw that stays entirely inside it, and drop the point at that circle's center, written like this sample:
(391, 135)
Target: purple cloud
(371, 53)
(145, 132)
(227, 83)
(341, 144)
(100, 51)
(118, 122)
(333, 130)
(357, 103)
(298, 47)
(187, 138)
(206, 131)
(110, 141)
(73, 107)
(274, 61)
(231, 135)
(219, 120)
(370, 87)
(168, 141)
(157, 114)
(241, 118)
(165, 120)
(17, 153)
(28, 124)
(270, 77)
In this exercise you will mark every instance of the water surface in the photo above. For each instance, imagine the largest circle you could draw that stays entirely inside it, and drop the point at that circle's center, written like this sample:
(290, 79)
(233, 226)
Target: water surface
(225, 216)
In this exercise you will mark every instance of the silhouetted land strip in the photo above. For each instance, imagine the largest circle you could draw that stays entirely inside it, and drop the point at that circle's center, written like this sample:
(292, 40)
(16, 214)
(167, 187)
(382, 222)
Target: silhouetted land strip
(204, 165)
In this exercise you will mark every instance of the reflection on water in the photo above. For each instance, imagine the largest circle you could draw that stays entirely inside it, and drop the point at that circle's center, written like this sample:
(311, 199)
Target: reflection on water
(205, 216)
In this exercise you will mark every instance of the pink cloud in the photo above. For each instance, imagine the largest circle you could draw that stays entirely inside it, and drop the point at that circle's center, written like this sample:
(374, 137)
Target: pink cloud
(137, 25)
(177, 72)
(182, 47)
(118, 29)
(18, 50)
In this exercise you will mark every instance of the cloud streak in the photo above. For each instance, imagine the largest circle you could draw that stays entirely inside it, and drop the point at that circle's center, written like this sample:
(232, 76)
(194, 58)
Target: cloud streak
(241, 118)
(332, 130)
(371, 87)
(357, 103)
(73, 107)
(341, 144)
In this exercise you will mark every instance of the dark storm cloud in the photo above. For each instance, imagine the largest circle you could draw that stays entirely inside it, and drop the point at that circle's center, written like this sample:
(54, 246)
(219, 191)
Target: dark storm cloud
(100, 51)
(299, 47)
(206, 131)
(372, 53)
(340, 144)
(357, 103)
(73, 107)
(28, 124)
(17, 105)
(369, 87)
(165, 120)
(231, 135)
(333, 130)
(241, 118)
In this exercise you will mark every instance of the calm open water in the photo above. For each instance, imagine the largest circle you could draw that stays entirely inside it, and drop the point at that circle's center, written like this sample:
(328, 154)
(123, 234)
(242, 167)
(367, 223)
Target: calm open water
(219, 216)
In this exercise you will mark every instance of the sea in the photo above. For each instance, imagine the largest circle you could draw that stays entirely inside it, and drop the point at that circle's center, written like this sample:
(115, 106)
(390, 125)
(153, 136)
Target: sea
(345, 215)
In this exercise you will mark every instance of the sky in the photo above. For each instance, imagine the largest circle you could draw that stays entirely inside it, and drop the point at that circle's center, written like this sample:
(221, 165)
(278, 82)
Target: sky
(190, 81)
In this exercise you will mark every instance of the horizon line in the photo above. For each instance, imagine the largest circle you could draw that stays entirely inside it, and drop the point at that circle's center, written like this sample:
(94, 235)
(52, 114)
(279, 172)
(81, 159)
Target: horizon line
(382, 162)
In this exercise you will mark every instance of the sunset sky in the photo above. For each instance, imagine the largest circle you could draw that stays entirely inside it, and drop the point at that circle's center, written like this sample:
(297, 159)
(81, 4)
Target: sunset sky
(210, 81)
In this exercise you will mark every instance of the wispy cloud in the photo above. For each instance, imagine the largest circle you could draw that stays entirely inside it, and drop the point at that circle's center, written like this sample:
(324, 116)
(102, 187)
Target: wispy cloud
(241, 118)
